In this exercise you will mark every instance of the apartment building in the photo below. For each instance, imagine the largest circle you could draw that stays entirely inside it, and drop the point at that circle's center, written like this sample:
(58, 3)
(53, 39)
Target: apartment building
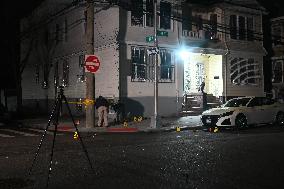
(219, 43)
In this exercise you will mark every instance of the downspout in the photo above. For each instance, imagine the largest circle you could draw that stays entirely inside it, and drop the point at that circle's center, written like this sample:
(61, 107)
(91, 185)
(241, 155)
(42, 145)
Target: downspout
(176, 67)
(226, 62)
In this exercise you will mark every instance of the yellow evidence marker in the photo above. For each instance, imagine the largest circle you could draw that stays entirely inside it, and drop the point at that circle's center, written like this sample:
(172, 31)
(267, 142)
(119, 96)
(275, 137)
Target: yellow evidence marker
(178, 129)
(216, 130)
(125, 124)
(75, 135)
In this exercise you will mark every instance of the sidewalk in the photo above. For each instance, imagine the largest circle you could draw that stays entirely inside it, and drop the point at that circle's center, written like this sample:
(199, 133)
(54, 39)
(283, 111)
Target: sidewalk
(166, 124)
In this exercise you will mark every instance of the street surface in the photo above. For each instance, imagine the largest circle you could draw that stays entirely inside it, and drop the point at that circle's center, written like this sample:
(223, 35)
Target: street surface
(251, 158)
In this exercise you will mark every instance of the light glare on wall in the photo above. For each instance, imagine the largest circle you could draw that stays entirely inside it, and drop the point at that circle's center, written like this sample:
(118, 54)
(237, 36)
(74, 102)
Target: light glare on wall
(184, 54)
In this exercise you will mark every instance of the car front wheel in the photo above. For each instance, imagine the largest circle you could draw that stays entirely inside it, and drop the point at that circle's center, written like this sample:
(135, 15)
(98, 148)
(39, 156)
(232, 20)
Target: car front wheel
(241, 121)
(280, 119)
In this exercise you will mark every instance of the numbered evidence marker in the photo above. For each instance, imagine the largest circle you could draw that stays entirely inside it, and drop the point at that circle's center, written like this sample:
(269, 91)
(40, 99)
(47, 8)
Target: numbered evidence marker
(75, 135)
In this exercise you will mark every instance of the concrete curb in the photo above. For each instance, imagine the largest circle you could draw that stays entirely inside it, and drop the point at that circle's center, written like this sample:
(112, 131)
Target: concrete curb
(119, 129)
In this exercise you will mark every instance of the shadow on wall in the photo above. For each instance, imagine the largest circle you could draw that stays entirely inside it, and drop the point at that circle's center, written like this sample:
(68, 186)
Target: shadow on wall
(133, 108)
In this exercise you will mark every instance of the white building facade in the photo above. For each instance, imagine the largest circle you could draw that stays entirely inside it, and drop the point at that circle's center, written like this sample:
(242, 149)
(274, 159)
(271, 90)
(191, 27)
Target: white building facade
(220, 44)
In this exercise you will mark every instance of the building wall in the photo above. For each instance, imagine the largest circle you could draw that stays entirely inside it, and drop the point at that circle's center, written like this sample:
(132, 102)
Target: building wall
(71, 45)
(113, 39)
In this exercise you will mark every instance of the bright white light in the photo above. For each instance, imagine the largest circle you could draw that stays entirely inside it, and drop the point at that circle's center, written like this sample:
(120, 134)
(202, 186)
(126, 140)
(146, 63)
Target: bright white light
(184, 55)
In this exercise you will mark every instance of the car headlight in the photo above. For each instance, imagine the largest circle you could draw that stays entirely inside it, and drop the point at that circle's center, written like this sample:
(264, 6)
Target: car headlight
(227, 114)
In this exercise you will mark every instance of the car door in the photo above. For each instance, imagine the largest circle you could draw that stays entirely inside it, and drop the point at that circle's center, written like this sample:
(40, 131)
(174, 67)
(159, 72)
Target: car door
(255, 111)
(269, 110)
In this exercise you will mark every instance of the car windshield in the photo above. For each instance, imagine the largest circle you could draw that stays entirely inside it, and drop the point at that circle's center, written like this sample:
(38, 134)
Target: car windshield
(237, 102)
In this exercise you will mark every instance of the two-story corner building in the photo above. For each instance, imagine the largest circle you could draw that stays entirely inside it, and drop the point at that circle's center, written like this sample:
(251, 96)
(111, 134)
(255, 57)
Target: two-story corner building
(218, 43)
(277, 31)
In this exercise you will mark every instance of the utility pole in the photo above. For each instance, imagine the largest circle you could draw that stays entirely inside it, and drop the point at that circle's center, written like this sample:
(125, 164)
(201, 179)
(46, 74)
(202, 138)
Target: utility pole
(90, 78)
(154, 120)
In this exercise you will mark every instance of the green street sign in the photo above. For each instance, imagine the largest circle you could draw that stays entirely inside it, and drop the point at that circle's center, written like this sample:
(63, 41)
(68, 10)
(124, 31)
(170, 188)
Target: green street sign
(150, 38)
(162, 33)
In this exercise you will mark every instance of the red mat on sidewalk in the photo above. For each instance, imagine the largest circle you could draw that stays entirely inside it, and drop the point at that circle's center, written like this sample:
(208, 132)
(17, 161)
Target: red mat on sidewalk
(122, 129)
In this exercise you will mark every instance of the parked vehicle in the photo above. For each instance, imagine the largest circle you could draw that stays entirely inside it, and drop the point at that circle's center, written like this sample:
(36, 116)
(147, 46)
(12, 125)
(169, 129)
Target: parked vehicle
(245, 111)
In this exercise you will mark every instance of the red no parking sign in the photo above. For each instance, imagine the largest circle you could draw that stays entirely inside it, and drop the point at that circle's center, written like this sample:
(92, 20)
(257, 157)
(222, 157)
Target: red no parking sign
(92, 63)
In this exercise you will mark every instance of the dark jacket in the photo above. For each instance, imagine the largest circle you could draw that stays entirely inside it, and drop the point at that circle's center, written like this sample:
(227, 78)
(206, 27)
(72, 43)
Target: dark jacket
(101, 101)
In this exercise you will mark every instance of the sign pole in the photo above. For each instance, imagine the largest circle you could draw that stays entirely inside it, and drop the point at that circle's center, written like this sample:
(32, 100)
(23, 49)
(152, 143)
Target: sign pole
(154, 119)
(90, 78)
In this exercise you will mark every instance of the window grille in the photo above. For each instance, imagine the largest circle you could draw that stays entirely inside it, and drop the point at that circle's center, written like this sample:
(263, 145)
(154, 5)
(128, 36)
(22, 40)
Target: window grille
(244, 71)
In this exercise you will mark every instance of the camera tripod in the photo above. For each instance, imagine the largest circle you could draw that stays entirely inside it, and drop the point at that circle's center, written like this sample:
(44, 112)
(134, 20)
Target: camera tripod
(54, 116)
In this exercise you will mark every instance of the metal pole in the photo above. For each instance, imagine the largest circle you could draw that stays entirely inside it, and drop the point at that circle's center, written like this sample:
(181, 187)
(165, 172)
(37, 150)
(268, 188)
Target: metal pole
(154, 122)
(90, 78)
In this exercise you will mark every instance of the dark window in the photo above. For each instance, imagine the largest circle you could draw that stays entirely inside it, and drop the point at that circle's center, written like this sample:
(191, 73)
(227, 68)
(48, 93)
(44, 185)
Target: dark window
(57, 30)
(46, 37)
(166, 65)
(65, 76)
(137, 13)
(233, 26)
(255, 102)
(165, 15)
(199, 22)
(65, 30)
(81, 75)
(186, 17)
(250, 35)
(149, 13)
(277, 71)
(267, 101)
(56, 75)
(213, 26)
(85, 22)
(242, 28)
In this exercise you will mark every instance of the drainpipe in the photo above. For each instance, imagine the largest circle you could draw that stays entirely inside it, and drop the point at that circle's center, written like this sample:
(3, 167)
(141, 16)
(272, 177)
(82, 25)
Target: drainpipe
(226, 63)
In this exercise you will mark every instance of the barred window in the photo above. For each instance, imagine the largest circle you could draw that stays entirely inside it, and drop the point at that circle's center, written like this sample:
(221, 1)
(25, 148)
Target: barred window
(138, 57)
(244, 71)
(143, 65)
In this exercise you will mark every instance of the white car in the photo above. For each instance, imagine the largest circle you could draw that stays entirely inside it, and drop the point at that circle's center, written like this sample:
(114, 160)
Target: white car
(244, 111)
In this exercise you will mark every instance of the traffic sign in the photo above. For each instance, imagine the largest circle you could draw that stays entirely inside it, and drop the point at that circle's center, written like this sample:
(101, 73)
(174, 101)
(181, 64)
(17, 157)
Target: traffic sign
(150, 38)
(153, 51)
(92, 63)
(162, 33)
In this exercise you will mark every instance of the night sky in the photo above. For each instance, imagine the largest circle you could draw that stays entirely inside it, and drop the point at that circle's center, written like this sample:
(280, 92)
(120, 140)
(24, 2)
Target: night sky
(12, 11)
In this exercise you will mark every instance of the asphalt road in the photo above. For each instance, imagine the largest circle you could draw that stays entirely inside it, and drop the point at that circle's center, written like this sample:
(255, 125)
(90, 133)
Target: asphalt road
(252, 158)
